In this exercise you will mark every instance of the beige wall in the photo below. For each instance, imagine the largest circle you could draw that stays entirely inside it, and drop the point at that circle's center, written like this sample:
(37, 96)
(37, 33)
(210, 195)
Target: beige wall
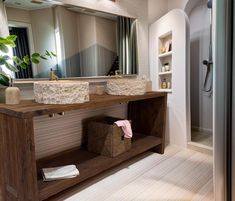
(43, 35)
(129, 8)
(172, 4)
(87, 30)
(42, 22)
(156, 9)
(81, 31)
(106, 33)
(3, 20)
(69, 31)
(79, 35)
(18, 15)
(93, 30)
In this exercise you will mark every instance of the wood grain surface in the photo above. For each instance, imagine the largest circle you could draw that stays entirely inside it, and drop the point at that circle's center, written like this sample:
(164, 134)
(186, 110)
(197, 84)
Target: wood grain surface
(29, 109)
(18, 171)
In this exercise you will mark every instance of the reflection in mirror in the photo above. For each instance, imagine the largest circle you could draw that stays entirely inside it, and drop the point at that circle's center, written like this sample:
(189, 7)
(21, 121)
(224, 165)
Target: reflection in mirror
(87, 42)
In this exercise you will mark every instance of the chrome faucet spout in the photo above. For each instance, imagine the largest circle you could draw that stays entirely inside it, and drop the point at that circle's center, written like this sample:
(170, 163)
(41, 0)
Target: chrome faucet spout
(118, 74)
(53, 76)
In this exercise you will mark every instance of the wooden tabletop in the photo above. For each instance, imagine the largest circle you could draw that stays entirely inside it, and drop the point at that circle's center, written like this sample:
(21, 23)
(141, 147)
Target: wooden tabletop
(30, 109)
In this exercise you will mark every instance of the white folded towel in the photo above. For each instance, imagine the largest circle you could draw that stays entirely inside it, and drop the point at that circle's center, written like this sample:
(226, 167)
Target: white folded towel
(63, 172)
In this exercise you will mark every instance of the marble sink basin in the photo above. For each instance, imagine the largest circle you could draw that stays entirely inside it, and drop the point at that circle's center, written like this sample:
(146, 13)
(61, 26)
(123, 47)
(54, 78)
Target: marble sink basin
(61, 92)
(126, 87)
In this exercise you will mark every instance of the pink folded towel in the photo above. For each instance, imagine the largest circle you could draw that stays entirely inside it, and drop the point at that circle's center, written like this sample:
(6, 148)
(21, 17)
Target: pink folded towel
(126, 127)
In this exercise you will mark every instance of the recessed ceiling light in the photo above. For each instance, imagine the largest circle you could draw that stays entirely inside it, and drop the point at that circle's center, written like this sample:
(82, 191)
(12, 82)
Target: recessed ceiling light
(17, 3)
(37, 2)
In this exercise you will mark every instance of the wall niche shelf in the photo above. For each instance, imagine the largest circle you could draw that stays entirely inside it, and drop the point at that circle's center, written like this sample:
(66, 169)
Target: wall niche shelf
(165, 62)
(167, 54)
(165, 90)
(165, 73)
(21, 178)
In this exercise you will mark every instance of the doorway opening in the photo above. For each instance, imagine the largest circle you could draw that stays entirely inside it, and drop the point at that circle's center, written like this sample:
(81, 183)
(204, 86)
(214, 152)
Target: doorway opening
(201, 75)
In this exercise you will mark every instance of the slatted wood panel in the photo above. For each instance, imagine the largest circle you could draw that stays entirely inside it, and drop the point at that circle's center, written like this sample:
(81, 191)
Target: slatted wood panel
(53, 135)
(178, 175)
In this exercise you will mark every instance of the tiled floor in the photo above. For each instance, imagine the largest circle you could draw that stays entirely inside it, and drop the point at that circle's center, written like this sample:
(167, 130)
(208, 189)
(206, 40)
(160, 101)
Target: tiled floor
(178, 175)
(202, 138)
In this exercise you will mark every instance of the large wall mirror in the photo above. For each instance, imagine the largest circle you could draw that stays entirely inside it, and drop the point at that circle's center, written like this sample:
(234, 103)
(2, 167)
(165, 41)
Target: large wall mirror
(87, 42)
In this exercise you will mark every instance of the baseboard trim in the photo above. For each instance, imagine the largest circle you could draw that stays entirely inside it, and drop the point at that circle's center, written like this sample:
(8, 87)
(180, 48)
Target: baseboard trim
(203, 130)
(200, 148)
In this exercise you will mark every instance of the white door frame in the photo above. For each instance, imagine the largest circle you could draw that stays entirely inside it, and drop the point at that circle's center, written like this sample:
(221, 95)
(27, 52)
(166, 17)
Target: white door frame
(222, 97)
(30, 37)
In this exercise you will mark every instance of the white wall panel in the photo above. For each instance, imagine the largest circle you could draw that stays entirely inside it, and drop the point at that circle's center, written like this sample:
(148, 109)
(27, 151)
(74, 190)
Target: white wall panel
(178, 114)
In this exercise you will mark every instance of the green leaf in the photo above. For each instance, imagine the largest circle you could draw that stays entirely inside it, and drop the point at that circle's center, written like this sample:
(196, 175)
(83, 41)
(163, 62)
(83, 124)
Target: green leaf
(11, 67)
(34, 60)
(42, 57)
(36, 55)
(26, 59)
(2, 40)
(16, 59)
(53, 54)
(11, 37)
(8, 40)
(2, 61)
(10, 43)
(48, 54)
(23, 65)
(4, 80)
(3, 48)
(5, 57)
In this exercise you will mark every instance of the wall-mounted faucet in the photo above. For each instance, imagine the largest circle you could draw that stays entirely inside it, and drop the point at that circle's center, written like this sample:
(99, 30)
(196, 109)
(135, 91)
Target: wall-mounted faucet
(118, 74)
(53, 76)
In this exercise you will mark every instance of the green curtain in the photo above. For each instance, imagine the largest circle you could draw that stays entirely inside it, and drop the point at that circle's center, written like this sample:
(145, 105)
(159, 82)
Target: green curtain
(127, 37)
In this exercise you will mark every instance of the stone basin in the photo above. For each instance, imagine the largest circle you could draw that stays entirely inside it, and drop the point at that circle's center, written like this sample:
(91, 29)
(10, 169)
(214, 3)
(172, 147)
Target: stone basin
(126, 87)
(61, 92)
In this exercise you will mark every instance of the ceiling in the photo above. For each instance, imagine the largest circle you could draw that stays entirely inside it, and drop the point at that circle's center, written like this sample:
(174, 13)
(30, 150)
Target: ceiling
(39, 4)
(29, 4)
(93, 12)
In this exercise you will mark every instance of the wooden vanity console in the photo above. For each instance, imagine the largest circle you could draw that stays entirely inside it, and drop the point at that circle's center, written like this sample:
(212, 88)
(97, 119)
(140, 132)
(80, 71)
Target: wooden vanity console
(20, 171)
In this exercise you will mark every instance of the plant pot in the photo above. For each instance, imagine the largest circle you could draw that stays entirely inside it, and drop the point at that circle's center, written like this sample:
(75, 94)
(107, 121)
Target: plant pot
(12, 95)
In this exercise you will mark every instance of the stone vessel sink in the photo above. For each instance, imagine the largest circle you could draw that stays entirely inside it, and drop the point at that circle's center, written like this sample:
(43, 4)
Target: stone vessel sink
(61, 92)
(126, 87)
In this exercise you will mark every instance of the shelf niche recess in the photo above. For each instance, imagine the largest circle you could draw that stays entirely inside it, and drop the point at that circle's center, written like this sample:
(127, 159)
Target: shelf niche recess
(165, 62)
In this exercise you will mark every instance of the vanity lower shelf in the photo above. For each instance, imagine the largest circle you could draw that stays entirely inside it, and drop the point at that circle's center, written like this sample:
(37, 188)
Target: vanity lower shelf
(89, 164)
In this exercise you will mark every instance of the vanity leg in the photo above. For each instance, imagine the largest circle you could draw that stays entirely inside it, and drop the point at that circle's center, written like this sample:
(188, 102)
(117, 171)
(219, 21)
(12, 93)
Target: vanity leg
(161, 117)
(17, 156)
(149, 117)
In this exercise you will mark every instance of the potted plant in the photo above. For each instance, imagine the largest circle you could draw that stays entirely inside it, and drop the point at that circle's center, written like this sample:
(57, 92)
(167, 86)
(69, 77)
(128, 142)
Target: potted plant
(6, 61)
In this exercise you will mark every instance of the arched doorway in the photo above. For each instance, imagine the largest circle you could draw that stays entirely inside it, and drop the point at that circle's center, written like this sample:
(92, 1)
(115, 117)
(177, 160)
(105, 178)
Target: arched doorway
(201, 100)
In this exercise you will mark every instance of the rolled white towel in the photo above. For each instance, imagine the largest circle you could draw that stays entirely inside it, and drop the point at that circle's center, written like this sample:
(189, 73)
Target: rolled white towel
(57, 173)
